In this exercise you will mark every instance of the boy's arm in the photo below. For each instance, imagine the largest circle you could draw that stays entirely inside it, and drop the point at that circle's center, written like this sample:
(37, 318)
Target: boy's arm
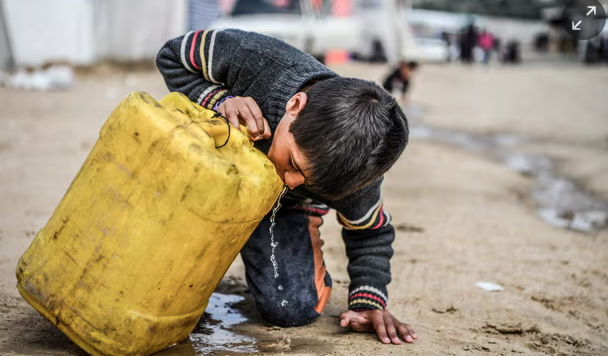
(388, 82)
(199, 65)
(368, 236)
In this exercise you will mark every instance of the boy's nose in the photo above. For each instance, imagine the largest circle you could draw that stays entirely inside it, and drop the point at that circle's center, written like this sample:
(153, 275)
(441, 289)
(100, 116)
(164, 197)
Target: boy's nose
(292, 180)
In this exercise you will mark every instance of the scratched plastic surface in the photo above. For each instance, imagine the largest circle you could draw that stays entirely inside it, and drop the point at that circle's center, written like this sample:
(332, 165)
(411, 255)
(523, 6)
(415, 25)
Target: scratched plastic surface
(150, 224)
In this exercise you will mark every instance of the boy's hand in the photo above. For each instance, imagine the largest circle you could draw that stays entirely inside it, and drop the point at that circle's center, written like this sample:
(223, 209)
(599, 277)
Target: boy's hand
(385, 325)
(246, 111)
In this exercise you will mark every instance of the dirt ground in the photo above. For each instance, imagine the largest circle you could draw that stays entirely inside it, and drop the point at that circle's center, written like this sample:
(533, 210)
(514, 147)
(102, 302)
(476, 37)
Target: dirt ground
(461, 216)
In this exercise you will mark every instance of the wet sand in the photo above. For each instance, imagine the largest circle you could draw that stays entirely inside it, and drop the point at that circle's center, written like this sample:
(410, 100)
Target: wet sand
(462, 216)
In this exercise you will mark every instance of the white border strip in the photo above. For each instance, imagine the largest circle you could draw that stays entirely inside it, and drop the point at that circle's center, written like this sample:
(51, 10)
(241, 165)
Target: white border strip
(183, 51)
(210, 64)
(369, 213)
(206, 92)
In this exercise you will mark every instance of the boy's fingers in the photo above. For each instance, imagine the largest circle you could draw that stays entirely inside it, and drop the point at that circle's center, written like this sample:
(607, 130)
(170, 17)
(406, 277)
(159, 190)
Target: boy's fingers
(231, 114)
(222, 110)
(407, 333)
(257, 114)
(358, 327)
(349, 317)
(267, 130)
(247, 119)
(356, 321)
(345, 318)
(252, 127)
(255, 131)
(390, 330)
(411, 331)
(378, 323)
(403, 331)
(381, 331)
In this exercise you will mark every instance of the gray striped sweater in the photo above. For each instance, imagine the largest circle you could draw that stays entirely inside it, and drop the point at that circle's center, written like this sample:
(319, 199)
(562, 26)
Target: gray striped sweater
(210, 65)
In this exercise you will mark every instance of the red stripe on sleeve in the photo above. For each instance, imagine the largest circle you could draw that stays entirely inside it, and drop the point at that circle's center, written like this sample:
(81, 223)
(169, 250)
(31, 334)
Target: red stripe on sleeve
(381, 219)
(192, 50)
(369, 296)
(210, 96)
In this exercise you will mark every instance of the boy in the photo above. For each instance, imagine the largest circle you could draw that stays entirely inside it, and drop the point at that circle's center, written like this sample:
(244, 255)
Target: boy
(400, 79)
(331, 140)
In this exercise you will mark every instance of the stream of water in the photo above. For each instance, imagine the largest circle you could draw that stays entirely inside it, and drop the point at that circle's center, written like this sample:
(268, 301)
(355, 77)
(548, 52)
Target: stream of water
(274, 243)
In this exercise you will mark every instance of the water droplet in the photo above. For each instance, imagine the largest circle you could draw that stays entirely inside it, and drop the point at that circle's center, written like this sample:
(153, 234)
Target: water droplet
(280, 287)
(273, 243)
(284, 303)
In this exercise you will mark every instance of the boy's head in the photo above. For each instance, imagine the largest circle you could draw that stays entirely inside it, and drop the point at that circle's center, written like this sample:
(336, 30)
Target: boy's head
(338, 137)
(406, 68)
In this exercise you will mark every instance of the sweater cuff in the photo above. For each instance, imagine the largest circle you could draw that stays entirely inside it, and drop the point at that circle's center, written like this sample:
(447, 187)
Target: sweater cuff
(368, 298)
(219, 102)
(211, 95)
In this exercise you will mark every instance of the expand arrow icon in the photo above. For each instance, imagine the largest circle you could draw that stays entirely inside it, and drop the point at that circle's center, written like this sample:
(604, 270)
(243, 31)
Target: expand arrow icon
(575, 27)
(593, 9)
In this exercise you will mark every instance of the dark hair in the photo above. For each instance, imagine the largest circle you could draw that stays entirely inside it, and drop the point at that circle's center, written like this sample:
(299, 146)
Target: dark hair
(351, 131)
(413, 65)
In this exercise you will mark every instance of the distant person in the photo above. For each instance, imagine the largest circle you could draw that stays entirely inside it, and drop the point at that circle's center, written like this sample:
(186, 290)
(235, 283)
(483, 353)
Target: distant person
(331, 140)
(497, 45)
(486, 43)
(468, 41)
(595, 50)
(512, 54)
(603, 48)
(541, 42)
(400, 79)
(447, 40)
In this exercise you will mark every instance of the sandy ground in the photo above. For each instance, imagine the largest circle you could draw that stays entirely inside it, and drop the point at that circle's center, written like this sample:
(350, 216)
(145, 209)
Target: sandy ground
(462, 217)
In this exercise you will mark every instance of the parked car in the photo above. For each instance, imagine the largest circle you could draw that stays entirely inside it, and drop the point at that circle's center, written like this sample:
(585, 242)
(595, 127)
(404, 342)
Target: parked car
(372, 30)
(435, 34)
(297, 22)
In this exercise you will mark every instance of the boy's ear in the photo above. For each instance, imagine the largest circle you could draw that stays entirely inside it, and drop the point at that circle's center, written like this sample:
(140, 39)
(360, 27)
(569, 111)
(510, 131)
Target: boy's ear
(296, 104)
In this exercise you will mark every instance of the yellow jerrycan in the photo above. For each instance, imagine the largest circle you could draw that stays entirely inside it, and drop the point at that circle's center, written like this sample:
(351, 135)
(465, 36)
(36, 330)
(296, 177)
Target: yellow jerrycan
(159, 210)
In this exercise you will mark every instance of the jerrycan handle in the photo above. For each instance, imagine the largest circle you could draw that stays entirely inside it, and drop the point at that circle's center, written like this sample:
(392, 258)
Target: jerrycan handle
(213, 123)
(217, 114)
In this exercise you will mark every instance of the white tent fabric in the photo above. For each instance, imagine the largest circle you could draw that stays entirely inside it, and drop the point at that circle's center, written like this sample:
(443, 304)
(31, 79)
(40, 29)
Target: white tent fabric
(82, 32)
(42, 31)
(136, 29)
(6, 54)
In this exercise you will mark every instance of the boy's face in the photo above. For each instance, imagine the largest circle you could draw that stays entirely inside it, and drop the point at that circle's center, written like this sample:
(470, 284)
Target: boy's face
(289, 161)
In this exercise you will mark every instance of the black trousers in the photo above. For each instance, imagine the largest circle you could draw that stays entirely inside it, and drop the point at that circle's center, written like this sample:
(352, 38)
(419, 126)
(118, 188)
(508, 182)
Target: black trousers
(292, 288)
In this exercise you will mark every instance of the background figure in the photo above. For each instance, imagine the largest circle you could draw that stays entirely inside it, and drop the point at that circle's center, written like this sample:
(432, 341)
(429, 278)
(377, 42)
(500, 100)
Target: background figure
(202, 13)
(445, 36)
(486, 43)
(468, 40)
(512, 54)
(497, 45)
(541, 42)
(399, 79)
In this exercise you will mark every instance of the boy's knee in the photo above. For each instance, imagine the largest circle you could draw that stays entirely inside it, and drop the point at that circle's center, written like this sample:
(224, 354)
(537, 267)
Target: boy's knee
(284, 314)
(293, 306)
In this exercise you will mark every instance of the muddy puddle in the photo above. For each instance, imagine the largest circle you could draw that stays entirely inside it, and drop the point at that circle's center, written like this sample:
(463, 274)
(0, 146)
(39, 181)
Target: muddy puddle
(217, 333)
(213, 335)
(559, 201)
